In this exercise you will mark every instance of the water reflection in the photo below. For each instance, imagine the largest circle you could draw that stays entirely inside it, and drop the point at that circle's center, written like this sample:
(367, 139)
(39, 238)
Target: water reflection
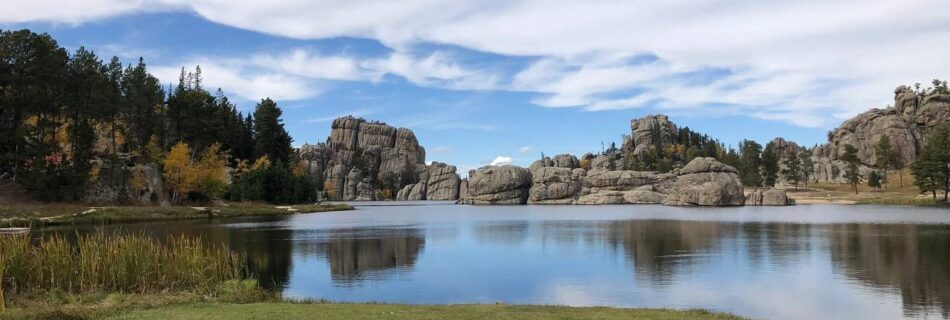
(914, 259)
(460, 254)
(352, 259)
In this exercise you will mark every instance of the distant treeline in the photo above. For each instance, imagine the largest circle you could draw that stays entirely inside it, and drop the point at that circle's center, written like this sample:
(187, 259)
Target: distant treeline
(68, 118)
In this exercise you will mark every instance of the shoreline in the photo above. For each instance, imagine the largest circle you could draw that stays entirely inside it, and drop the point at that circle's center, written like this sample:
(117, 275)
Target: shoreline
(193, 306)
(31, 216)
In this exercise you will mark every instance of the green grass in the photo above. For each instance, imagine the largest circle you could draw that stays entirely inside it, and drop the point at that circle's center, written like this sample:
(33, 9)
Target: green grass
(45, 215)
(121, 263)
(190, 306)
(908, 201)
(385, 311)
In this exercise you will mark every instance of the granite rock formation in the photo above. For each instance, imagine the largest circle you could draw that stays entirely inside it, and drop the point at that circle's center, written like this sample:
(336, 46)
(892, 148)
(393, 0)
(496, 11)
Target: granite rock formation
(642, 138)
(506, 184)
(770, 197)
(378, 152)
(905, 124)
(555, 185)
(706, 182)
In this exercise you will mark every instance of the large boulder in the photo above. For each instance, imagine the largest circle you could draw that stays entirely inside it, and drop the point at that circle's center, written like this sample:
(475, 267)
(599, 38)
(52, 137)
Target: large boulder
(442, 183)
(506, 184)
(642, 195)
(706, 182)
(414, 191)
(770, 197)
(555, 185)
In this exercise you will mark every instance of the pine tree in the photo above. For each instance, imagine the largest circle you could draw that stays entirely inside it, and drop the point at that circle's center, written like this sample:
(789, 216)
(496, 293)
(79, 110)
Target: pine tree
(792, 171)
(874, 180)
(850, 157)
(770, 166)
(885, 157)
(750, 161)
(270, 137)
(932, 168)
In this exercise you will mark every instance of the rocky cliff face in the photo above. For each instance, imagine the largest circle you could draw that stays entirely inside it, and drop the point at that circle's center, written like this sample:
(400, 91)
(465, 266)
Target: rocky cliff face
(642, 138)
(905, 124)
(377, 152)
(706, 182)
(770, 197)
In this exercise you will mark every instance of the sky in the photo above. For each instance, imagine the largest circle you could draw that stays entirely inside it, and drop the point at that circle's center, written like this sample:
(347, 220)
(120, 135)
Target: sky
(497, 81)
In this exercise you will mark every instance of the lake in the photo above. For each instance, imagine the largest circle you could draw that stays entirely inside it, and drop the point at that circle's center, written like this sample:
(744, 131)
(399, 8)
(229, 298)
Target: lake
(802, 262)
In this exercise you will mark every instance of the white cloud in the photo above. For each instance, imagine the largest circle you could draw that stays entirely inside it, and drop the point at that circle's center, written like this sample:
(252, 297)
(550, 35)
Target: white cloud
(525, 149)
(796, 61)
(500, 161)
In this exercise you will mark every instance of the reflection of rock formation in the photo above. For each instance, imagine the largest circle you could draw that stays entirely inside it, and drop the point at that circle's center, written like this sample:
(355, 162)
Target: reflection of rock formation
(351, 258)
(912, 258)
(506, 232)
(657, 248)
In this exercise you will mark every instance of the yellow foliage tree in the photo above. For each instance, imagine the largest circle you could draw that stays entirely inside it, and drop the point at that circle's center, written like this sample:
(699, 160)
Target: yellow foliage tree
(330, 189)
(211, 174)
(301, 168)
(262, 162)
(178, 171)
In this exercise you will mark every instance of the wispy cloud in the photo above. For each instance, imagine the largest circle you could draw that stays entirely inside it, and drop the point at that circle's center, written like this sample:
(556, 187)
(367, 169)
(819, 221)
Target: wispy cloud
(795, 61)
(525, 149)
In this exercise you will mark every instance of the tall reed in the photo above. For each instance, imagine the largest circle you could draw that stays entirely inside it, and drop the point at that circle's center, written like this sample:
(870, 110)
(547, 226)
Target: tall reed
(121, 263)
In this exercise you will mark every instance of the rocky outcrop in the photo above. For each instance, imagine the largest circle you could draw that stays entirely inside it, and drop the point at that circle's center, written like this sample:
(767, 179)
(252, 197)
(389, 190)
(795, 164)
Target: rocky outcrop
(382, 151)
(770, 197)
(411, 192)
(498, 185)
(905, 124)
(642, 195)
(358, 188)
(560, 161)
(647, 132)
(706, 182)
(443, 182)
(555, 185)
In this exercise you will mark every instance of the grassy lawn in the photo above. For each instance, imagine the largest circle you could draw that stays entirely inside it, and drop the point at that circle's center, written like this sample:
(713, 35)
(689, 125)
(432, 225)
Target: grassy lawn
(183, 307)
(894, 194)
(40, 215)
(386, 311)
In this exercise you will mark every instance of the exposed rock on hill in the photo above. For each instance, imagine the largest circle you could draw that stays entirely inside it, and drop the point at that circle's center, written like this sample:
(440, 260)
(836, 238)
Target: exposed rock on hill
(706, 182)
(905, 124)
(498, 185)
(642, 136)
(382, 155)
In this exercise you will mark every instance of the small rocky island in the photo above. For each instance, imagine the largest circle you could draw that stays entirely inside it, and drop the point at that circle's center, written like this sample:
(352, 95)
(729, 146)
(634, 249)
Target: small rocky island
(369, 160)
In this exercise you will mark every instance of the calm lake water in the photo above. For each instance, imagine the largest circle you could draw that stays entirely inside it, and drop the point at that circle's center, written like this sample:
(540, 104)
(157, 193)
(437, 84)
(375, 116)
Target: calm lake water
(803, 262)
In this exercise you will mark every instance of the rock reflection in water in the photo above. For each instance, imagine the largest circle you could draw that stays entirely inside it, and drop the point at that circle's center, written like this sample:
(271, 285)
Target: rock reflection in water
(353, 258)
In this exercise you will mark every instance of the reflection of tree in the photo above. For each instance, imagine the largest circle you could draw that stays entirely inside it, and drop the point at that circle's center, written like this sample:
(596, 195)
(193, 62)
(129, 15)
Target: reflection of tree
(912, 258)
(657, 248)
(352, 257)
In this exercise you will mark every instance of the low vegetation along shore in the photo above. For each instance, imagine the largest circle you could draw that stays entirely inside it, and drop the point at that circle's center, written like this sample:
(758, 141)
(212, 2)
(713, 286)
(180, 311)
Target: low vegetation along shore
(46, 215)
(138, 277)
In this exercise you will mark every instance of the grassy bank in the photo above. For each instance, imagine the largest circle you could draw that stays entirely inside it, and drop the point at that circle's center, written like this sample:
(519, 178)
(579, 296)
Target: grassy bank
(185, 306)
(45, 215)
(896, 193)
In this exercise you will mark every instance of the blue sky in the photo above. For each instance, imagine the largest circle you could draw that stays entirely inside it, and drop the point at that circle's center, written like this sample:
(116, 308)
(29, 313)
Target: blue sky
(511, 79)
